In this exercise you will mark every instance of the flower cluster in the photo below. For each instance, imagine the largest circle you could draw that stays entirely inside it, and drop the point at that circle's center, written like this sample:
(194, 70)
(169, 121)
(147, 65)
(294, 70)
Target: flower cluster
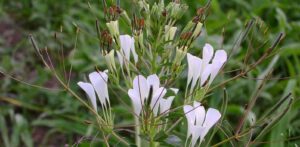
(160, 56)
(148, 95)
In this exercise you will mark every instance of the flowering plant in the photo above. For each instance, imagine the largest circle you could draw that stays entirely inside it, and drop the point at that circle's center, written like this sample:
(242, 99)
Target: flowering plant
(147, 65)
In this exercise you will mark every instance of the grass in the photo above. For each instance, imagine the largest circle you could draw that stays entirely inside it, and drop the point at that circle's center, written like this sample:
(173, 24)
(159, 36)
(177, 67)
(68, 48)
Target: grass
(31, 115)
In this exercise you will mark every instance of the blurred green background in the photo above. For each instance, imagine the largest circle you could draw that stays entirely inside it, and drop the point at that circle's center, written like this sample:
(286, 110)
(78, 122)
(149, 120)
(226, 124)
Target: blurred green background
(32, 116)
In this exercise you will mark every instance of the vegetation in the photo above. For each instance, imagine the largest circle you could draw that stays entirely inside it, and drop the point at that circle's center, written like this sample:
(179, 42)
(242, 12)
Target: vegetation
(35, 110)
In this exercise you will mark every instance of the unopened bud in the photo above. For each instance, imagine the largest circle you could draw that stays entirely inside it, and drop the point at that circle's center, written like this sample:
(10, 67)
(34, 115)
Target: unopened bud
(113, 27)
(186, 36)
(170, 32)
(176, 10)
(197, 30)
(179, 55)
(110, 60)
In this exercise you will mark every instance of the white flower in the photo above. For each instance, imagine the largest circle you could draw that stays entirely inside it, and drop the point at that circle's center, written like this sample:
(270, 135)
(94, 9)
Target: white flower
(200, 70)
(141, 92)
(127, 48)
(99, 85)
(199, 122)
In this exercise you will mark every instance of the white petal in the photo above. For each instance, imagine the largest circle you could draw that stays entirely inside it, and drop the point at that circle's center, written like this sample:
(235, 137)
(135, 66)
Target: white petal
(165, 104)
(89, 90)
(140, 84)
(189, 113)
(211, 118)
(126, 44)
(218, 61)
(215, 68)
(220, 56)
(194, 69)
(199, 113)
(153, 80)
(208, 52)
(206, 73)
(99, 82)
(157, 96)
(136, 101)
(175, 90)
(196, 134)
(135, 56)
(190, 68)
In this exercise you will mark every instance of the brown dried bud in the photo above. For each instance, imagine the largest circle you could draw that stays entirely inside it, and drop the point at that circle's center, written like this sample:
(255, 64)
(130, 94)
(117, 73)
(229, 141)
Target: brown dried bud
(200, 11)
(164, 13)
(141, 23)
(186, 36)
(106, 40)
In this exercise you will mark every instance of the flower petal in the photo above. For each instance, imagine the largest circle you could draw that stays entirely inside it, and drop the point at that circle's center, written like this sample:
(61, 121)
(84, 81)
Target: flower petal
(199, 113)
(208, 52)
(153, 81)
(165, 104)
(220, 56)
(136, 101)
(194, 69)
(175, 90)
(135, 56)
(211, 118)
(99, 82)
(89, 90)
(189, 113)
(196, 134)
(190, 68)
(141, 86)
(206, 73)
(126, 44)
(157, 96)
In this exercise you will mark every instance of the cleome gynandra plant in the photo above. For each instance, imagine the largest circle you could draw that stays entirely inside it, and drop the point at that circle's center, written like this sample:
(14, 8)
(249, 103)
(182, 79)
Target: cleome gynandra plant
(144, 67)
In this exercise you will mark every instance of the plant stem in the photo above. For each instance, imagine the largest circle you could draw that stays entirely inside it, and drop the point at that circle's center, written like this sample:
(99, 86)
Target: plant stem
(137, 132)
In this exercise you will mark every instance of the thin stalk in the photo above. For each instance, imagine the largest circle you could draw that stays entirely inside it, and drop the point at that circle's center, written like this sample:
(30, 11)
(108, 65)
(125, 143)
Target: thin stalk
(137, 131)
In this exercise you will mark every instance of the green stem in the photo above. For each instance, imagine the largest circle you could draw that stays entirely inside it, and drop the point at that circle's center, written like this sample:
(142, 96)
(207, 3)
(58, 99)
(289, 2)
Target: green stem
(137, 132)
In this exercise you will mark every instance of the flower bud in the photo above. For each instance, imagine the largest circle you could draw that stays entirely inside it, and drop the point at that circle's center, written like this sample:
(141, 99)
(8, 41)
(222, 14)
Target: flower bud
(170, 33)
(113, 27)
(179, 55)
(197, 30)
(110, 60)
(176, 10)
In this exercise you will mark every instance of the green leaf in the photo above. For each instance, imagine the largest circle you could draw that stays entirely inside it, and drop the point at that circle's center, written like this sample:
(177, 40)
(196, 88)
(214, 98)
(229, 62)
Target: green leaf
(4, 133)
(273, 120)
(160, 136)
(62, 124)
